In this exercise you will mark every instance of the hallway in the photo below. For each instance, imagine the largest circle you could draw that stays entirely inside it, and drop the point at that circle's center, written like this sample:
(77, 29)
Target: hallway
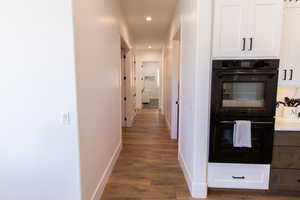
(148, 167)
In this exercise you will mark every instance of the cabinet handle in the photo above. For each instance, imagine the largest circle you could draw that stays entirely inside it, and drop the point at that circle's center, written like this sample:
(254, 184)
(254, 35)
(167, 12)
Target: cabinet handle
(238, 177)
(251, 44)
(244, 44)
(285, 73)
(291, 74)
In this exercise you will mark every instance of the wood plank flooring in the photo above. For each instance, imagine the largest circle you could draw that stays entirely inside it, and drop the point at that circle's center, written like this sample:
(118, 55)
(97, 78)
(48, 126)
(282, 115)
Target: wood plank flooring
(148, 167)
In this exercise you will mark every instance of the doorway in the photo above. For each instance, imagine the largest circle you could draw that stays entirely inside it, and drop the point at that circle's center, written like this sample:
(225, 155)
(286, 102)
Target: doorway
(151, 85)
(128, 84)
(176, 66)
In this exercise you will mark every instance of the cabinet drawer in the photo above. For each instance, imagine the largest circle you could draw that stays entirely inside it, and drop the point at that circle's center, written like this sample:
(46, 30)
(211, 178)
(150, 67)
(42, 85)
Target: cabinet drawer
(284, 138)
(285, 180)
(239, 176)
(286, 157)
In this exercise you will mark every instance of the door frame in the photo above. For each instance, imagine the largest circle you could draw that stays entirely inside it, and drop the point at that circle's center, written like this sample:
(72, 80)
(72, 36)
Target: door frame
(158, 77)
(176, 83)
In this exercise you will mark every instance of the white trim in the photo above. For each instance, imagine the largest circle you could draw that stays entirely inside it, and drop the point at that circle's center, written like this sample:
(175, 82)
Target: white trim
(104, 179)
(168, 123)
(197, 189)
(130, 121)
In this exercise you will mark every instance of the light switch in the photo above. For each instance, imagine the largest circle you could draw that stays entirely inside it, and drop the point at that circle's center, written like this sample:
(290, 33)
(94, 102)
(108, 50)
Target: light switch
(65, 118)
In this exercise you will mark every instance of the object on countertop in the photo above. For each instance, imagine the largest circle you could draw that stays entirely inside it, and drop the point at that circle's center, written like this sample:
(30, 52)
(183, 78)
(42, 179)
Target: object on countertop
(290, 109)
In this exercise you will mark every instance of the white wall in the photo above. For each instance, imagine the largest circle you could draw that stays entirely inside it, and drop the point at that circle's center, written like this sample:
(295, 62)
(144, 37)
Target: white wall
(195, 18)
(98, 61)
(144, 56)
(167, 80)
(39, 156)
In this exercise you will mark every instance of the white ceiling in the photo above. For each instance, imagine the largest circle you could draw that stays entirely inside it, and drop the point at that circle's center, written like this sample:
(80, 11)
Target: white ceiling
(148, 33)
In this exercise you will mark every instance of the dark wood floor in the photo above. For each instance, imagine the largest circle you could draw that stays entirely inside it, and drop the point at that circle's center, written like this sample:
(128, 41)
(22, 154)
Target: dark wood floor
(148, 167)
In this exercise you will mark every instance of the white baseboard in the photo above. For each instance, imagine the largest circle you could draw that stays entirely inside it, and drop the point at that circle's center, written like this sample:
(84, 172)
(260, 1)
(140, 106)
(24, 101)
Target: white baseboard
(104, 179)
(198, 190)
(168, 123)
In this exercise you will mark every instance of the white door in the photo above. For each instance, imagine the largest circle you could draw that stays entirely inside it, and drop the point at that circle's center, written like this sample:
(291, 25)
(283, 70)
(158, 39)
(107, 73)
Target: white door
(289, 72)
(230, 28)
(123, 78)
(175, 85)
(265, 23)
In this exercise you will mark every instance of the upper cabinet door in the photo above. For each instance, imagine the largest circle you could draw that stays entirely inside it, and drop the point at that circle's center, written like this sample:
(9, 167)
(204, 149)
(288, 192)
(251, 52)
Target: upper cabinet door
(290, 47)
(230, 27)
(265, 23)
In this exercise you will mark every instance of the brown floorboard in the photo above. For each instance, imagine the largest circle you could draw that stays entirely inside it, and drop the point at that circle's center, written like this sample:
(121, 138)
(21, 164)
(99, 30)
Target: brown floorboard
(148, 168)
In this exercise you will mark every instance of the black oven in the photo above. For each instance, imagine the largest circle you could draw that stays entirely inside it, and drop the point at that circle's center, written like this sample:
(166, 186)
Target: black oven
(242, 87)
(243, 90)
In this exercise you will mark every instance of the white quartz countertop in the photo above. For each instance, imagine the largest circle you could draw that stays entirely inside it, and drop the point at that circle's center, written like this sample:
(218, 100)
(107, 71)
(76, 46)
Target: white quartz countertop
(282, 124)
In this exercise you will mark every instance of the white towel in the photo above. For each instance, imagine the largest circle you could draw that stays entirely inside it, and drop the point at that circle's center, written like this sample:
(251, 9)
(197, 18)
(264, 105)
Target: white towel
(242, 134)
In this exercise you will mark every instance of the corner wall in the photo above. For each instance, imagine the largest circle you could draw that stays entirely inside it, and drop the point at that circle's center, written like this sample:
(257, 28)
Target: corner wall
(98, 27)
(195, 19)
(39, 155)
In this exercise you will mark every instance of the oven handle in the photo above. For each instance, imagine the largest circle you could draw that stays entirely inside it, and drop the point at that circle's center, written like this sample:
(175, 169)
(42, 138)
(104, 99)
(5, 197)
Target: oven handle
(233, 122)
(246, 73)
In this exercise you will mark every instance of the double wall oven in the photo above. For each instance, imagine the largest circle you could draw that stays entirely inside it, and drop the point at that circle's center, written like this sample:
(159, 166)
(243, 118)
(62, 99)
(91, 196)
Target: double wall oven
(243, 90)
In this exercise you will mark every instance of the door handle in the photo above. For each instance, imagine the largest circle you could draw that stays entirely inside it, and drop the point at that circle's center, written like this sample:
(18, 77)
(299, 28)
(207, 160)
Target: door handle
(251, 44)
(285, 73)
(244, 44)
(291, 74)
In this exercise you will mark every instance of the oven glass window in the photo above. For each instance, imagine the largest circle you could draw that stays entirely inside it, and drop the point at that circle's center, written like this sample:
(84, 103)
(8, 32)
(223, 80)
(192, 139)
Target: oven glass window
(243, 94)
(226, 140)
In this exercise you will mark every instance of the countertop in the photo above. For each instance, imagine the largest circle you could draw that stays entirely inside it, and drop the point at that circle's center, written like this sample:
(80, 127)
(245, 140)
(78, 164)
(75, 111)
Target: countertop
(282, 124)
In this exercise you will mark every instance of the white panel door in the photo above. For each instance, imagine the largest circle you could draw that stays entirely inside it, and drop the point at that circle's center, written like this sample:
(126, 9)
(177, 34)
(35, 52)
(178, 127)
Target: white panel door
(293, 57)
(230, 27)
(289, 73)
(265, 23)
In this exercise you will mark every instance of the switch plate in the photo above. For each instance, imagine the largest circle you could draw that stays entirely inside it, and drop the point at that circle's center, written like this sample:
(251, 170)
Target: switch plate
(65, 118)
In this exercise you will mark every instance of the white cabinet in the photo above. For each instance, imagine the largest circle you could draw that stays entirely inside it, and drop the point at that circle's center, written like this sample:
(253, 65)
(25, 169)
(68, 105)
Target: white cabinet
(229, 28)
(238, 176)
(289, 72)
(247, 28)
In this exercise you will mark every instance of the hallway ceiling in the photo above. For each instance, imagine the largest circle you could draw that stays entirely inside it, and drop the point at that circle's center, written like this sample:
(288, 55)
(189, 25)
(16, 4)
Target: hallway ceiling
(145, 33)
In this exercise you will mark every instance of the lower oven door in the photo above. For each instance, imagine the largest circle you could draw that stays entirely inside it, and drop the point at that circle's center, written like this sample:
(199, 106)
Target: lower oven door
(222, 149)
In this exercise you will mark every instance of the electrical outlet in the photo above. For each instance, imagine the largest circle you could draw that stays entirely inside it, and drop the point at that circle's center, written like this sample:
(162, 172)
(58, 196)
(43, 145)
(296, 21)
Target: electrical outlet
(65, 118)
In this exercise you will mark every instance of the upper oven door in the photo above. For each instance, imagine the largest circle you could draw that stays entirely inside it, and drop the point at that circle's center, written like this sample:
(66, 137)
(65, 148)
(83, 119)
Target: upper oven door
(244, 92)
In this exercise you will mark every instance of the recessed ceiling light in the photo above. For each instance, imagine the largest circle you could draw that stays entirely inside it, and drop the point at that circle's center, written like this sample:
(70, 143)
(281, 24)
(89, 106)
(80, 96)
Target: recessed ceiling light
(149, 47)
(149, 19)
